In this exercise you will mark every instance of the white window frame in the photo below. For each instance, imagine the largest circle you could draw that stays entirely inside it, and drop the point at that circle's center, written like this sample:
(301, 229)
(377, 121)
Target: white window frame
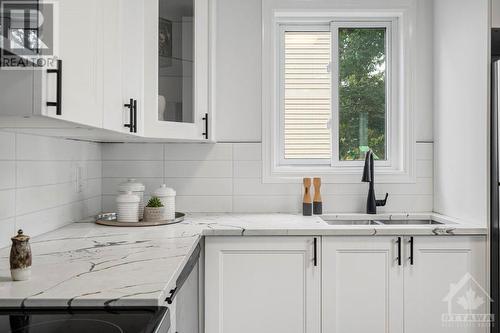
(400, 164)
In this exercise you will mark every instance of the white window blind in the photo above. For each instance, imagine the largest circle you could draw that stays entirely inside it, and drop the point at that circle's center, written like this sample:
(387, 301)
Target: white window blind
(307, 95)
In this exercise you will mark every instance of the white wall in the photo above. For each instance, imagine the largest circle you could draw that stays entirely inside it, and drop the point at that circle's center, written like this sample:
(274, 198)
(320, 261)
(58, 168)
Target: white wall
(461, 65)
(38, 183)
(238, 70)
(226, 177)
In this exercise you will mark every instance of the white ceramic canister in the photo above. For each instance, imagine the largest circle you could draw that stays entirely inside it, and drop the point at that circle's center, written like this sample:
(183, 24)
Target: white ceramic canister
(136, 188)
(128, 207)
(167, 198)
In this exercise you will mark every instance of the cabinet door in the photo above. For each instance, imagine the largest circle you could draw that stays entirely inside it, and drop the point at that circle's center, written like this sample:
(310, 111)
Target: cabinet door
(114, 115)
(261, 284)
(362, 285)
(439, 263)
(176, 68)
(123, 62)
(79, 45)
(187, 305)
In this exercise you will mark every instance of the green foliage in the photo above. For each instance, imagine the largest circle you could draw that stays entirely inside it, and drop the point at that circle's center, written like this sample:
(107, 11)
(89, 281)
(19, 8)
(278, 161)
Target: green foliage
(362, 92)
(154, 202)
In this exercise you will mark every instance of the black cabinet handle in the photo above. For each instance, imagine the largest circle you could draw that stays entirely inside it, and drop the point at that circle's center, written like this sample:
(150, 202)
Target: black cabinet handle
(130, 106)
(58, 102)
(399, 250)
(315, 251)
(206, 126)
(411, 251)
(135, 116)
(171, 297)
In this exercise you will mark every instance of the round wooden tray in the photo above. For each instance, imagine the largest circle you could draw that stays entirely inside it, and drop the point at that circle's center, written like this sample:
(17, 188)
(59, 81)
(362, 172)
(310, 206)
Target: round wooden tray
(179, 217)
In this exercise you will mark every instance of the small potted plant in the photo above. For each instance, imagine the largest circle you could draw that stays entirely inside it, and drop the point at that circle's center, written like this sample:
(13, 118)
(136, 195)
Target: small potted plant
(154, 210)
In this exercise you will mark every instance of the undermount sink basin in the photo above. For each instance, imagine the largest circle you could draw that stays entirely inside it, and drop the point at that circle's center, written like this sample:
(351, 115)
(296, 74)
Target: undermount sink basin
(351, 222)
(331, 221)
(410, 222)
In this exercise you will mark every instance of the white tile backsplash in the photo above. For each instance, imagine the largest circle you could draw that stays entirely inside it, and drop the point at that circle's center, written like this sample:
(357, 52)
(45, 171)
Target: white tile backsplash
(37, 173)
(7, 204)
(7, 146)
(198, 152)
(201, 186)
(204, 204)
(7, 230)
(247, 152)
(254, 186)
(267, 204)
(247, 169)
(7, 175)
(227, 177)
(132, 169)
(199, 169)
(132, 152)
(38, 191)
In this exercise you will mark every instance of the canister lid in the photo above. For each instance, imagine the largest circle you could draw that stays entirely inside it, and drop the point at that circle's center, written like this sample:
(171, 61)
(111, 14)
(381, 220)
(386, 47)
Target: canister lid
(128, 197)
(164, 191)
(131, 185)
(20, 236)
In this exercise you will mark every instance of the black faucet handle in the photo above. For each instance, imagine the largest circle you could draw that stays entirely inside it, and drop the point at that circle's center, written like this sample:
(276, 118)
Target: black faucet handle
(381, 203)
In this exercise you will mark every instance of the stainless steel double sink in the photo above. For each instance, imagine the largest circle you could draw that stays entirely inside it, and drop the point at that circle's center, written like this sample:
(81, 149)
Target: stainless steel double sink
(376, 222)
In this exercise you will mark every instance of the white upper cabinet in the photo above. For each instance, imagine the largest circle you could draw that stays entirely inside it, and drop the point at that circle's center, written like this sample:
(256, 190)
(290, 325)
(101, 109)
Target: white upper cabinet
(78, 42)
(157, 60)
(175, 68)
(126, 66)
(71, 89)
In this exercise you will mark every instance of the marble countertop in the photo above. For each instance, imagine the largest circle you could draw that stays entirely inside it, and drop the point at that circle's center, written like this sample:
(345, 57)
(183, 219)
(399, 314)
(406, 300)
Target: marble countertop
(84, 264)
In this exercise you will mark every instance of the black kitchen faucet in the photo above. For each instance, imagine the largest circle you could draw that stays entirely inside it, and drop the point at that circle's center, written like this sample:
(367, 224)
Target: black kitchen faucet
(368, 177)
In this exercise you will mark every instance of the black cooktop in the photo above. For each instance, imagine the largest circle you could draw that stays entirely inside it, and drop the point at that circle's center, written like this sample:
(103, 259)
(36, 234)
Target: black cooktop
(54, 320)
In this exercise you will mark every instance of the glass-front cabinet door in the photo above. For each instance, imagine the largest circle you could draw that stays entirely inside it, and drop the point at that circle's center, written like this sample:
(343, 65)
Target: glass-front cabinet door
(176, 69)
(176, 61)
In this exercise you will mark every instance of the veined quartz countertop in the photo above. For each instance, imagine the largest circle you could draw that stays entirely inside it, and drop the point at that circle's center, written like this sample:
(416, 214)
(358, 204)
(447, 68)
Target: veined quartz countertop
(84, 264)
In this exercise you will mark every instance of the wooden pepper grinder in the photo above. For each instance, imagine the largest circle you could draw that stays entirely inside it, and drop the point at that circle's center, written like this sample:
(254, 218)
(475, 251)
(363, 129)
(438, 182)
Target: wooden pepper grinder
(307, 203)
(317, 201)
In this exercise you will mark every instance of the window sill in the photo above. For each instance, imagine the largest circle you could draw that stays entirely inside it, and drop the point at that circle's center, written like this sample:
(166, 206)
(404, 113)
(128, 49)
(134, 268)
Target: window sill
(339, 175)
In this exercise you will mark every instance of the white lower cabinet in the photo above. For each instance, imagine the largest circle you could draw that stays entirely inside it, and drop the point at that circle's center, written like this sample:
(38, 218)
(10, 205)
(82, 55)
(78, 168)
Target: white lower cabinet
(262, 284)
(380, 284)
(362, 285)
(373, 284)
(438, 263)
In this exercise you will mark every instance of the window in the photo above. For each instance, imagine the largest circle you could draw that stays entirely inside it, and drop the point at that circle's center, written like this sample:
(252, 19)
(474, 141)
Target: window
(334, 85)
(361, 92)
(334, 99)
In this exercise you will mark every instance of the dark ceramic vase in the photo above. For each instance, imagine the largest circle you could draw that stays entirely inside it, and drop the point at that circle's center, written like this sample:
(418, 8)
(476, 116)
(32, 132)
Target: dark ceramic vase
(20, 257)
